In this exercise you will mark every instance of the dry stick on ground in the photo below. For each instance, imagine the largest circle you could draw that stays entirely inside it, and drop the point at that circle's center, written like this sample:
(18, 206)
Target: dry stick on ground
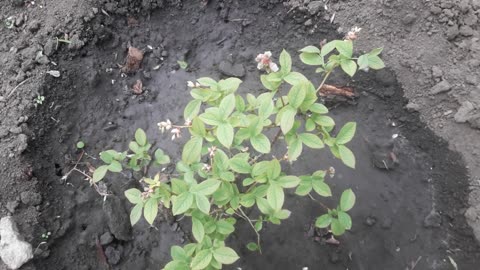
(319, 202)
(327, 90)
(253, 227)
(16, 87)
(74, 167)
(414, 263)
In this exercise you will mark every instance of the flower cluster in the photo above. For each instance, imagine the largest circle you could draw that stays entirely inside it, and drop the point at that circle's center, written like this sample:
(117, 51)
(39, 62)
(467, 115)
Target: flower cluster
(193, 84)
(265, 62)
(165, 125)
(177, 133)
(352, 34)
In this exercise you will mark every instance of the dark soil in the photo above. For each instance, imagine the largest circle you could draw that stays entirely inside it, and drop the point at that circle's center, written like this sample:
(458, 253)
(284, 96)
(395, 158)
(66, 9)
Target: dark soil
(410, 211)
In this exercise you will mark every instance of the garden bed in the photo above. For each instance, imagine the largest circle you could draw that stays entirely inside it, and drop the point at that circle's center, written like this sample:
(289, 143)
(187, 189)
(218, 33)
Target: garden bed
(411, 189)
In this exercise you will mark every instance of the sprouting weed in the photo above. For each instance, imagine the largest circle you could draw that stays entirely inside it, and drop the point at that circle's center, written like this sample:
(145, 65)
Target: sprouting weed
(39, 100)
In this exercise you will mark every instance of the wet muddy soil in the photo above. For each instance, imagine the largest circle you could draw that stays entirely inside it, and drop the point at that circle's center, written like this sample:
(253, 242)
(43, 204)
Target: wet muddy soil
(406, 212)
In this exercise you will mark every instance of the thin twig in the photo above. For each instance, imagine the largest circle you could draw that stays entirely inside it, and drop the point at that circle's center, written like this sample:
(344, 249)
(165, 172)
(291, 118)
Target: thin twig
(253, 227)
(74, 167)
(319, 202)
(16, 87)
(323, 81)
(414, 264)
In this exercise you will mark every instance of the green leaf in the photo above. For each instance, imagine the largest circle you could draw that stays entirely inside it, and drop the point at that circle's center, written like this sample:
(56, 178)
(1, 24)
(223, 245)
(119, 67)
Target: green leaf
(224, 227)
(181, 203)
(182, 64)
(311, 140)
(318, 108)
(363, 61)
(192, 150)
(240, 165)
(345, 47)
(345, 220)
(266, 106)
(178, 253)
(328, 48)
(134, 147)
(99, 173)
(227, 105)
(239, 103)
(261, 143)
(206, 187)
(275, 196)
(212, 116)
(225, 255)
(322, 120)
(192, 109)
(106, 156)
(115, 166)
(337, 227)
(229, 85)
(296, 95)
(198, 230)
(288, 118)
(347, 200)
(136, 213)
(201, 260)
(283, 214)
(349, 66)
(312, 59)
(323, 221)
(274, 169)
(258, 225)
(288, 181)
(345, 134)
(214, 264)
(80, 145)
(178, 186)
(303, 189)
(198, 128)
(272, 86)
(161, 158)
(134, 195)
(150, 210)
(294, 149)
(347, 156)
(141, 137)
(225, 134)
(375, 62)
(285, 62)
(310, 49)
(321, 188)
(202, 203)
(206, 81)
(252, 246)
(264, 206)
(310, 125)
(176, 265)
(294, 78)
(376, 51)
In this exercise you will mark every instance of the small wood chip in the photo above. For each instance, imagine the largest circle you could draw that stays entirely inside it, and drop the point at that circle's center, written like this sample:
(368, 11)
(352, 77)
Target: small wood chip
(134, 59)
(329, 90)
(138, 87)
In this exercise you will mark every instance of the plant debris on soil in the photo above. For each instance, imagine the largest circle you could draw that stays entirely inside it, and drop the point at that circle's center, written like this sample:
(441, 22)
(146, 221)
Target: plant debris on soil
(417, 177)
(134, 59)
